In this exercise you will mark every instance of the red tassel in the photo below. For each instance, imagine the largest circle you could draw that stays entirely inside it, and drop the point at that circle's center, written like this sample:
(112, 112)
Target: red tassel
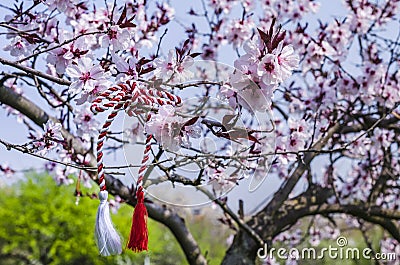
(138, 239)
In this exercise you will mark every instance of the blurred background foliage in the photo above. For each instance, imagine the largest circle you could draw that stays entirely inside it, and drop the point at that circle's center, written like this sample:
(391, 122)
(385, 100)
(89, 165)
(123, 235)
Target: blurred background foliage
(41, 224)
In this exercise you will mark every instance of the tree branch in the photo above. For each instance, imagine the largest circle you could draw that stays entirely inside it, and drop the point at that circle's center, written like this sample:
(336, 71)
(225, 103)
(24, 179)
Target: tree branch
(35, 72)
(283, 193)
(313, 202)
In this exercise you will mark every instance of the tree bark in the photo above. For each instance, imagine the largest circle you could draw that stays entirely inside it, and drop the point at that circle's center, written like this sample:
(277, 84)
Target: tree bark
(243, 250)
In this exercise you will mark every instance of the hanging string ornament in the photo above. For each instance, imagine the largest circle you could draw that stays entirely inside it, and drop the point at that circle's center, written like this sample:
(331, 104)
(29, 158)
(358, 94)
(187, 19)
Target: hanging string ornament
(107, 238)
(138, 238)
(129, 97)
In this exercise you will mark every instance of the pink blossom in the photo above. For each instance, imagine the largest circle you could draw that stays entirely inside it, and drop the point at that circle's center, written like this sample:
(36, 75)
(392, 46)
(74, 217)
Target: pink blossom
(287, 60)
(134, 133)
(166, 126)
(116, 38)
(60, 5)
(115, 204)
(60, 176)
(295, 142)
(63, 56)
(361, 21)
(49, 139)
(315, 236)
(382, 138)
(222, 5)
(293, 10)
(269, 70)
(52, 130)
(165, 68)
(390, 245)
(230, 93)
(248, 63)
(87, 124)
(191, 131)
(238, 31)
(254, 99)
(85, 74)
(91, 22)
(339, 35)
(6, 170)
(239, 80)
(292, 238)
(89, 96)
(125, 67)
(316, 53)
(171, 69)
(170, 130)
(360, 147)
(299, 126)
(19, 47)
(221, 181)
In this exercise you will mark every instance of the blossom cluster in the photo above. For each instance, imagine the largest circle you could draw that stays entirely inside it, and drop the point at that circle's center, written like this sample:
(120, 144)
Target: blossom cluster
(170, 129)
(268, 62)
(50, 139)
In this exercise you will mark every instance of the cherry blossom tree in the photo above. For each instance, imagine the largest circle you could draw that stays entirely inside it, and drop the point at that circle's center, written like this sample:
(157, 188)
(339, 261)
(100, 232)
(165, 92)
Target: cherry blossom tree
(309, 100)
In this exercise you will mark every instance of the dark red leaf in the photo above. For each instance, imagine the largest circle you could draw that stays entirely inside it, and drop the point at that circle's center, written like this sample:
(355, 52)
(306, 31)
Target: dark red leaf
(31, 38)
(191, 121)
(186, 43)
(132, 18)
(122, 17)
(127, 24)
(271, 28)
(253, 150)
(143, 61)
(194, 55)
(263, 36)
(253, 139)
(147, 70)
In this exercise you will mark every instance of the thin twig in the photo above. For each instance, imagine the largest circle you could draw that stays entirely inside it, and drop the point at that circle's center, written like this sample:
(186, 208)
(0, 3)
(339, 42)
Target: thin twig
(35, 72)
(59, 45)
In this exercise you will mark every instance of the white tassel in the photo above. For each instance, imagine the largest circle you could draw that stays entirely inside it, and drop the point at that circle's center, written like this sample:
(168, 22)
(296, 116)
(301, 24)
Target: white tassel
(107, 238)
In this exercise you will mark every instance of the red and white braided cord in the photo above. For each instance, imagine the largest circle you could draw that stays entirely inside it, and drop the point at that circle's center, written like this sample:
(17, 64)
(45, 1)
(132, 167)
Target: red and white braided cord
(143, 165)
(119, 102)
(173, 100)
(106, 100)
(120, 97)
